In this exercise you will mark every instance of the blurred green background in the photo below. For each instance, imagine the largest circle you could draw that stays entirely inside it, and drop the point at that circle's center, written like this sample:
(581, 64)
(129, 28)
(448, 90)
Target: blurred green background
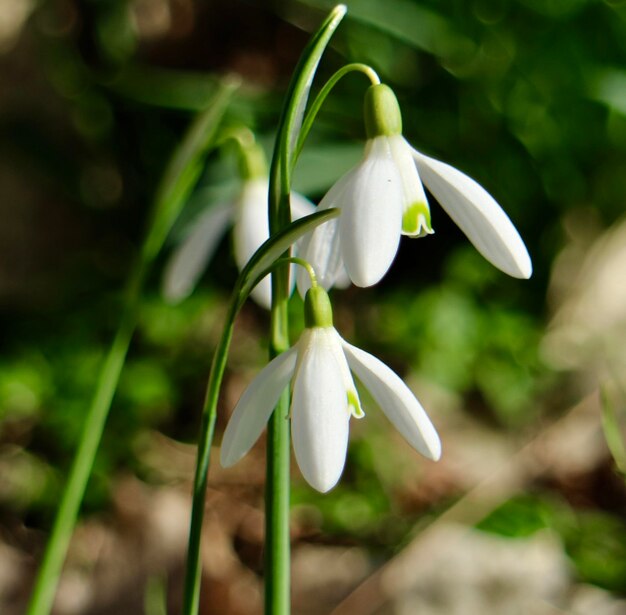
(525, 380)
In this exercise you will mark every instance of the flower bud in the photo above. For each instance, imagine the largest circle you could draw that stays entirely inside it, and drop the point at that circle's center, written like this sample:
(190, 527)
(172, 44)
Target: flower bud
(381, 112)
(317, 309)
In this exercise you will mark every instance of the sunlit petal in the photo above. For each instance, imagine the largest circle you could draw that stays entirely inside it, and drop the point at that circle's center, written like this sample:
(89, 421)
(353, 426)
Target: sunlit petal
(322, 247)
(300, 207)
(478, 215)
(255, 407)
(251, 230)
(319, 411)
(190, 259)
(371, 218)
(415, 210)
(396, 400)
(354, 402)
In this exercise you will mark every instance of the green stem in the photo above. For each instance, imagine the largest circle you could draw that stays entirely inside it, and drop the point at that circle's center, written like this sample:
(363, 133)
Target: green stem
(277, 497)
(277, 536)
(299, 261)
(262, 262)
(316, 105)
(277, 541)
(191, 600)
(54, 556)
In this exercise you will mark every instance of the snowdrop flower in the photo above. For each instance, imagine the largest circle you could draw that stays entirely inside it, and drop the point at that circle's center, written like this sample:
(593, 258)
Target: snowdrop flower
(383, 198)
(324, 398)
(247, 213)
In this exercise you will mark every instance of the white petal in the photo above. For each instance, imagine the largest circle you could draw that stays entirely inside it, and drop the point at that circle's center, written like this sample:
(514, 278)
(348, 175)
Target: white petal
(478, 215)
(300, 207)
(191, 257)
(255, 407)
(415, 210)
(354, 402)
(321, 248)
(251, 230)
(319, 411)
(396, 400)
(371, 218)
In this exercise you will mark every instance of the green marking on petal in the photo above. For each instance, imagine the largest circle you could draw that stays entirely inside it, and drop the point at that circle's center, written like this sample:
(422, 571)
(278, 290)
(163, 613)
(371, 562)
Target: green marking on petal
(354, 405)
(416, 220)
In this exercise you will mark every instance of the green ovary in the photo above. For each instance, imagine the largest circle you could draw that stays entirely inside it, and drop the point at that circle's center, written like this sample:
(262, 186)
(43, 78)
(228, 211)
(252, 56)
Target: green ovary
(416, 220)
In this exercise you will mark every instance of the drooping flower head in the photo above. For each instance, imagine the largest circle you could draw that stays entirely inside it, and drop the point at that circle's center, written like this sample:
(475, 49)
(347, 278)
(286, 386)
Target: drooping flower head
(247, 214)
(324, 397)
(383, 198)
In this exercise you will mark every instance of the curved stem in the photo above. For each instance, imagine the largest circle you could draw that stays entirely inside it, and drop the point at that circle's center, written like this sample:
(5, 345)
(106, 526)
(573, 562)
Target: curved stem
(316, 105)
(67, 513)
(191, 598)
(296, 261)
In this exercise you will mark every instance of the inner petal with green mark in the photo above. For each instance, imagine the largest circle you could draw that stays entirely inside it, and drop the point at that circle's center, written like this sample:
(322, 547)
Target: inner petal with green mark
(354, 405)
(416, 220)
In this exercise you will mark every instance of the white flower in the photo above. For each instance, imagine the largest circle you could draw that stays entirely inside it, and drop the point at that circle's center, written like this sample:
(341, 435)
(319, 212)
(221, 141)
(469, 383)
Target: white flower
(383, 198)
(323, 399)
(248, 214)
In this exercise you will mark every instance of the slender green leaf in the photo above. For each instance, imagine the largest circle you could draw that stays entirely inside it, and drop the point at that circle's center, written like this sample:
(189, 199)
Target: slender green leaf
(263, 259)
(184, 169)
(155, 597)
(47, 579)
(291, 119)
(180, 179)
(257, 268)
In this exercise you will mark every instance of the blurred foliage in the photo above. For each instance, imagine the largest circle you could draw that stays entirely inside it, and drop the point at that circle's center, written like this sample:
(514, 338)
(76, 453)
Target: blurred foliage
(613, 402)
(595, 541)
(464, 342)
(527, 96)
